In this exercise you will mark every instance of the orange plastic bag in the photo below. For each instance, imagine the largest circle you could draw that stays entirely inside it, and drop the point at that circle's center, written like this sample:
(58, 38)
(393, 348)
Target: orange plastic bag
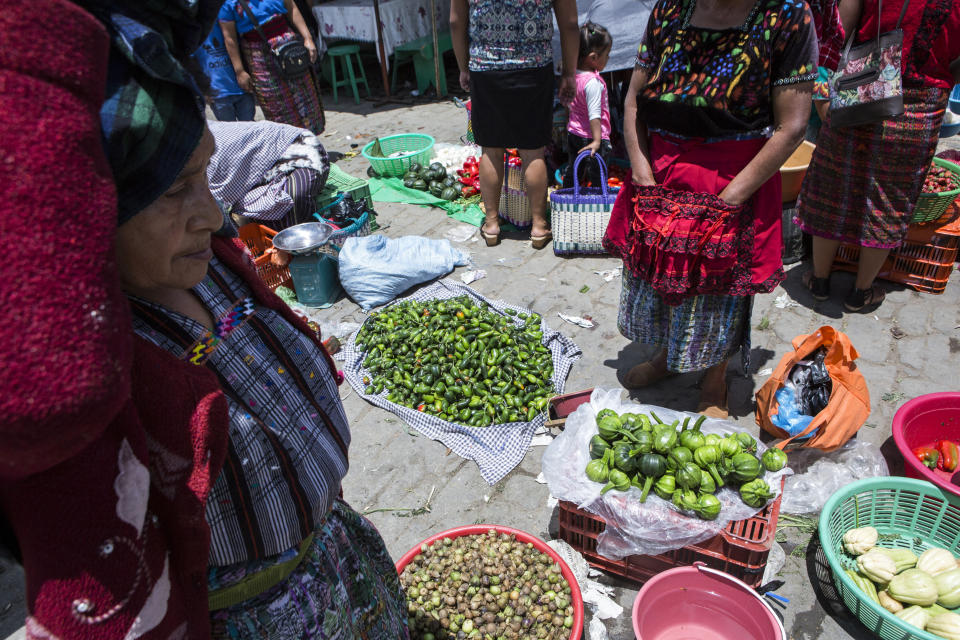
(849, 404)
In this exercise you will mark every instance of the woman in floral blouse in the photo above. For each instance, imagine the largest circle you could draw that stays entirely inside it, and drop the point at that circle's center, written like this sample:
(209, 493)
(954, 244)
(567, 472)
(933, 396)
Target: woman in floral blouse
(719, 99)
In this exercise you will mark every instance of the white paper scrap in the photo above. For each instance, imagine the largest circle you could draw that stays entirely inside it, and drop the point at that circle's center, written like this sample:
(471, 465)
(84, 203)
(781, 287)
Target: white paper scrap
(765, 371)
(541, 440)
(461, 233)
(472, 275)
(596, 630)
(609, 274)
(577, 320)
(783, 301)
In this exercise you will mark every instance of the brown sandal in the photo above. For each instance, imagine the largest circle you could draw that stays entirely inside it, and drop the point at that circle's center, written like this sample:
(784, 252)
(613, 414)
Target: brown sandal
(539, 242)
(645, 374)
(492, 239)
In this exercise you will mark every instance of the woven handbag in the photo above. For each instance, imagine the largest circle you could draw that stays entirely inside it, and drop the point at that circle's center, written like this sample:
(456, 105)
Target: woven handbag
(292, 57)
(514, 205)
(580, 214)
(867, 86)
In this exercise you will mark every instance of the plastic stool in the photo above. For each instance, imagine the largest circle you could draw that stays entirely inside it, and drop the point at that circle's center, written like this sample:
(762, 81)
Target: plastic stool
(344, 52)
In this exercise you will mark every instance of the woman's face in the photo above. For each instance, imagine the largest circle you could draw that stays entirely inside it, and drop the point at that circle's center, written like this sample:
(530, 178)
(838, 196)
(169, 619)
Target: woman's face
(167, 245)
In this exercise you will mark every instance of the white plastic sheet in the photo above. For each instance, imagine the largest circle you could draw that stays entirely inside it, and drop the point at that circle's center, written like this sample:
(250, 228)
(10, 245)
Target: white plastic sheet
(819, 475)
(633, 527)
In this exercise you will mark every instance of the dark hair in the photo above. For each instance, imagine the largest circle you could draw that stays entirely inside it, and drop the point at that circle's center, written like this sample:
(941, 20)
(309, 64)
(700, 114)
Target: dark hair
(593, 38)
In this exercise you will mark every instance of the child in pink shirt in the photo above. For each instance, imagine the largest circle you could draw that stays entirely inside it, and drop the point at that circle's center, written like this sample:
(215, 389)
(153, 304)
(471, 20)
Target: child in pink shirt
(588, 127)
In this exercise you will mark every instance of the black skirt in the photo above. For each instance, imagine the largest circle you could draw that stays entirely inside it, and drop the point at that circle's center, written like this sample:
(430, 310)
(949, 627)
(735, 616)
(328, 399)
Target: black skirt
(512, 108)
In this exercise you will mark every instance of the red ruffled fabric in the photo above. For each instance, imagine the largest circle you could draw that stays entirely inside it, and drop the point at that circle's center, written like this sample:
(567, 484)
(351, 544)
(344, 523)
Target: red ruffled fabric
(682, 239)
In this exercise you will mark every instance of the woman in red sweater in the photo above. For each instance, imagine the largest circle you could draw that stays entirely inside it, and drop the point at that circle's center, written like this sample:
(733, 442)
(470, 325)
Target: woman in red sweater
(180, 479)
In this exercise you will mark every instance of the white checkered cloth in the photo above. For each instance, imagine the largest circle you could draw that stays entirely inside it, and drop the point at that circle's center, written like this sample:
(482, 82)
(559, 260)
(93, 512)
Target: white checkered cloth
(498, 448)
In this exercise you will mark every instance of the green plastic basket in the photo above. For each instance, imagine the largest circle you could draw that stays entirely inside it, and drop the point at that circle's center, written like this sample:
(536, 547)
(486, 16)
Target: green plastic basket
(921, 514)
(416, 147)
(930, 206)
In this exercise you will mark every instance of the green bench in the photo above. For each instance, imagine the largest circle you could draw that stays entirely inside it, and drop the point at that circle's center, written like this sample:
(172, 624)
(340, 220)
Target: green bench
(421, 51)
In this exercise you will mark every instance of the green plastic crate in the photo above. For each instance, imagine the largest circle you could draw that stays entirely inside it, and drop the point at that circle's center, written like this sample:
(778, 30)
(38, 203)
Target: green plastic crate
(923, 516)
(340, 181)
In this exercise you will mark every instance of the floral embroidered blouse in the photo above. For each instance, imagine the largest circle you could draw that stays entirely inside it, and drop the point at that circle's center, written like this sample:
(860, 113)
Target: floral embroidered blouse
(510, 34)
(718, 83)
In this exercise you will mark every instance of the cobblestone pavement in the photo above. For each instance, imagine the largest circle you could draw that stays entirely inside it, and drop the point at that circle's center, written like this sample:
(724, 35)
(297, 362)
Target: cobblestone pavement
(412, 487)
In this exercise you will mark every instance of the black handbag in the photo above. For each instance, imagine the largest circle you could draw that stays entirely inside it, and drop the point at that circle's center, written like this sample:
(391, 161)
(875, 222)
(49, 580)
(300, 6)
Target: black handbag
(292, 57)
(867, 86)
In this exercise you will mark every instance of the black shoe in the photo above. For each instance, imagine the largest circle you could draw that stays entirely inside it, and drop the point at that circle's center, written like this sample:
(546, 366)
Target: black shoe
(860, 299)
(819, 287)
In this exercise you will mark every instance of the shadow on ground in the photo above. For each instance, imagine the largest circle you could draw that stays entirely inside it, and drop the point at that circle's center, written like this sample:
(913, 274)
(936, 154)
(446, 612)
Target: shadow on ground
(828, 599)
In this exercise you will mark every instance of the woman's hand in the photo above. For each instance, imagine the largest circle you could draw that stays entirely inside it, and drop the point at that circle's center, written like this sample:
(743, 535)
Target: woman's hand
(465, 81)
(278, 258)
(311, 49)
(731, 197)
(642, 178)
(593, 147)
(568, 88)
(243, 79)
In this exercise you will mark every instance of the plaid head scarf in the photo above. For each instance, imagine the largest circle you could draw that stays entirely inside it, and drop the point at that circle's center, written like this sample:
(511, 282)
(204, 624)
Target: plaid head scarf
(153, 115)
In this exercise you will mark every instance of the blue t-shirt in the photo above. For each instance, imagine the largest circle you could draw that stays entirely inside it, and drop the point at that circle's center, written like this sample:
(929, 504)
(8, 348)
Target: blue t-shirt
(232, 11)
(215, 61)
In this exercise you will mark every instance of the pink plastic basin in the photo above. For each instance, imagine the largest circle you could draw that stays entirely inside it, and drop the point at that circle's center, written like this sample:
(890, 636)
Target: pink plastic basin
(696, 603)
(920, 423)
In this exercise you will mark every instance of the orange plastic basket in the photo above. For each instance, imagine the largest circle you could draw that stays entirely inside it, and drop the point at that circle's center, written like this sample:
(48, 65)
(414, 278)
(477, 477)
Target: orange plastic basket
(925, 260)
(258, 239)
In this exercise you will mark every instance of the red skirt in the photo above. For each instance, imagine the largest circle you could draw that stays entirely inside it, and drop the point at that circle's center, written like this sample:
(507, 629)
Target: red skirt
(682, 239)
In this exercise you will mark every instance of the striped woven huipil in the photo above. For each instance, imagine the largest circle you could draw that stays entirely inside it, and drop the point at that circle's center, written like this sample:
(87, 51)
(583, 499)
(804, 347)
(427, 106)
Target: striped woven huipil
(288, 431)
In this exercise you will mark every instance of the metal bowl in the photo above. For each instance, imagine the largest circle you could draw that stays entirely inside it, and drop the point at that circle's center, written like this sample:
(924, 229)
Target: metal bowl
(304, 238)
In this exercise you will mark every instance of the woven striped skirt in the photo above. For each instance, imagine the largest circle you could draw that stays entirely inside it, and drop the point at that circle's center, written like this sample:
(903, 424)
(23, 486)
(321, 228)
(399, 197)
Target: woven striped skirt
(344, 588)
(698, 333)
(290, 101)
(863, 182)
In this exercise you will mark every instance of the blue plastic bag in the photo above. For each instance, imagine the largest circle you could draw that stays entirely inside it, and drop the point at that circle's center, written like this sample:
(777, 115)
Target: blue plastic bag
(788, 416)
(375, 269)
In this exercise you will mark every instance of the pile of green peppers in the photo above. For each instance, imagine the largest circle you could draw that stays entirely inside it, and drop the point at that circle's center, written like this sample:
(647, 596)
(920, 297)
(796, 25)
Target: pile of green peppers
(459, 361)
(680, 463)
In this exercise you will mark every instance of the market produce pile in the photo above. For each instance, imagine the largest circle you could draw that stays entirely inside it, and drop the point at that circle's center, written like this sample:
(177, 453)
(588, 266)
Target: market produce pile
(940, 179)
(918, 590)
(486, 586)
(943, 455)
(458, 360)
(678, 462)
(434, 178)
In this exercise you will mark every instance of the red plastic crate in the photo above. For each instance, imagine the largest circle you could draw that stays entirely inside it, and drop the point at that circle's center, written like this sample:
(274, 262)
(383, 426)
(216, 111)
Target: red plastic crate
(741, 549)
(258, 239)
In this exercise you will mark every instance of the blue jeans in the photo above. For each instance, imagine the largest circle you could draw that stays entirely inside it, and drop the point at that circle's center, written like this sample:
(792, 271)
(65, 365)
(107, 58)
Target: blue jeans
(234, 108)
